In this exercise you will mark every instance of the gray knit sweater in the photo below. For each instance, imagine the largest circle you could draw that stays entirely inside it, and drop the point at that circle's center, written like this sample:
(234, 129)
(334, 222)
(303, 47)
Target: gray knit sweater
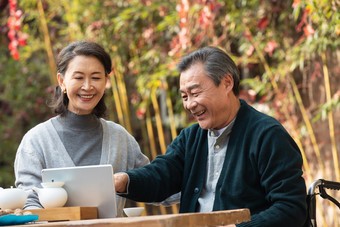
(41, 148)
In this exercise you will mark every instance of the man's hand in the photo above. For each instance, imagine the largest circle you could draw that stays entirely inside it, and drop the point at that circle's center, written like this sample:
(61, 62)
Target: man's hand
(121, 180)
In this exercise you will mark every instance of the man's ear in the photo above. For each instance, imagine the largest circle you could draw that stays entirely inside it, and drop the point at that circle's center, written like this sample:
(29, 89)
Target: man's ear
(228, 82)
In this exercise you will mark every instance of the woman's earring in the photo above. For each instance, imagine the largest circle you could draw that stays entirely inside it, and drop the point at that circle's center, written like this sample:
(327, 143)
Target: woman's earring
(64, 91)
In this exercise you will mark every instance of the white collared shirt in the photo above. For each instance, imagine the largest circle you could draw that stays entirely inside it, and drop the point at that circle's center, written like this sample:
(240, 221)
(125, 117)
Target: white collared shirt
(217, 148)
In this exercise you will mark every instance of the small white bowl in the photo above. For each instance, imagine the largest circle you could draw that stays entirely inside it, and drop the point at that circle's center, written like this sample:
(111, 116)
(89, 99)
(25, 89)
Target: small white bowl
(133, 211)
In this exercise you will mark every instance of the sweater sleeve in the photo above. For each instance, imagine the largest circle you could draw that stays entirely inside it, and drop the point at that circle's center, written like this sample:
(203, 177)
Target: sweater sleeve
(27, 167)
(39, 149)
(140, 158)
(120, 148)
(279, 164)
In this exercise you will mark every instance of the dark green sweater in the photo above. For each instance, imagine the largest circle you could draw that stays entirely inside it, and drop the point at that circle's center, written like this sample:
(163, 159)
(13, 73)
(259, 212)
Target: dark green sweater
(261, 171)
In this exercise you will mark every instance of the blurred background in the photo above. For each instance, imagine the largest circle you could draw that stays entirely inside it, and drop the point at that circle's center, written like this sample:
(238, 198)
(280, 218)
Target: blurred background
(287, 51)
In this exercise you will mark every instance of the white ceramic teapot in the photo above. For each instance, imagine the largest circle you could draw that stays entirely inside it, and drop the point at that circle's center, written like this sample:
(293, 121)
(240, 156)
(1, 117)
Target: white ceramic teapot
(52, 194)
(13, 198)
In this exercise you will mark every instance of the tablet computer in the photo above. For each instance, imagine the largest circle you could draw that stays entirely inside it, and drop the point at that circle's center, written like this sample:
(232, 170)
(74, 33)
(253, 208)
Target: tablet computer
(87, 186)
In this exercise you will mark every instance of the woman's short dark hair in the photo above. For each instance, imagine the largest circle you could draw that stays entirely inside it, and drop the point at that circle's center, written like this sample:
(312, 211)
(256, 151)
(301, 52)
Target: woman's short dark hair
(79, 48)
(216, 62)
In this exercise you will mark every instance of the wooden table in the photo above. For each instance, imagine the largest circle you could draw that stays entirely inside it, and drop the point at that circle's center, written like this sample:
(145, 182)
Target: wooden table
(216, 218)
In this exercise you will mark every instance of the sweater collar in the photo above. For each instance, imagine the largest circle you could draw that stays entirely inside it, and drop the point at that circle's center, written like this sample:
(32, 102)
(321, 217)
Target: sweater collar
(79, 122)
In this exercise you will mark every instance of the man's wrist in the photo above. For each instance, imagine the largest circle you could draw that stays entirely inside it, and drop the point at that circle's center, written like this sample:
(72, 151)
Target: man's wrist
(123, 181)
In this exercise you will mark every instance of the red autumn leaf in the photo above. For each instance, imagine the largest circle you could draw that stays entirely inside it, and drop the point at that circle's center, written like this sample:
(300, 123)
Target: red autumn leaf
(250, 50)
(18, 14)
(15, 54)
(270, 47)
(10, 22)
(22, 42)
(296, 3)
(303, 21)
(22, 37)
(13, 3)
(134, 98)
(11, 34)
(17, 25)
(12, 7)
(308, 29)
(13, 45)
(140, 113)
(263, 23)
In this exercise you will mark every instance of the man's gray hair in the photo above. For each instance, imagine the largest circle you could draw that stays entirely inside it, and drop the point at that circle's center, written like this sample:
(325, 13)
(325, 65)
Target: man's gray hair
(217, 65)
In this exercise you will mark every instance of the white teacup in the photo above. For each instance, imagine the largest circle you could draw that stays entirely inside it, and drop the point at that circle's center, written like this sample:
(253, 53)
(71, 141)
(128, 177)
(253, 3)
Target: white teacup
(133, 211)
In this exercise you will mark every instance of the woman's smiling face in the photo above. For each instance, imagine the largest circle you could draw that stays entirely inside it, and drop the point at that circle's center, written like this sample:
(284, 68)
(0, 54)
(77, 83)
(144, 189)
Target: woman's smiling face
(84, 82)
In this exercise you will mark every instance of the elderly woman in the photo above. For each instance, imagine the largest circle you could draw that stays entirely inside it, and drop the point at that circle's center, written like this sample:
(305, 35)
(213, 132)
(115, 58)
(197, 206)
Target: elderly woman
(78, 135)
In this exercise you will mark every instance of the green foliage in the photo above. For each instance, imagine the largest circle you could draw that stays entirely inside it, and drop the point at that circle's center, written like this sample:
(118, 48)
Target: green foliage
(324, 109)
(23, 85)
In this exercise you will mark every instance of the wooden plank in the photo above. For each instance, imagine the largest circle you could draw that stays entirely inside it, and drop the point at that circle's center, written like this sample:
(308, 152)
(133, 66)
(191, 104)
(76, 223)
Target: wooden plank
(216, 218)
(66, 213)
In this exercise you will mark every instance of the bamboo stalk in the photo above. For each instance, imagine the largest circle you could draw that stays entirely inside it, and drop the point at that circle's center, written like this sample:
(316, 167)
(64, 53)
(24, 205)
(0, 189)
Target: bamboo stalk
(296, 138)
(306, 166)
(152, 145)
(151, 138)
(158, 120)
(307, 169)
(330, 118)
(146, 149)
(122, 93)
(172, 127)
(331, 129)
(160, 132)
(117, 100)
(170, 112)
(48, 45)
(303, 154)
(312, 136)
(308, 173)
(308, 124)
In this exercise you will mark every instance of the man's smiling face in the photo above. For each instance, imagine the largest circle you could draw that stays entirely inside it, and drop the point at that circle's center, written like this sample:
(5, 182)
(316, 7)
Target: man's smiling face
(207, 102)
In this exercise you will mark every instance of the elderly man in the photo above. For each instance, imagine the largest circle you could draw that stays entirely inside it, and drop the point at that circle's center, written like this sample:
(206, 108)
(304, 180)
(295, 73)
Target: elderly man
(235, 157)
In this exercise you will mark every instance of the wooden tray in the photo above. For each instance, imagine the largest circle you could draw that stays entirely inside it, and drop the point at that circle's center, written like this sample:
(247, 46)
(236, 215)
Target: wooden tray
(66, 213)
